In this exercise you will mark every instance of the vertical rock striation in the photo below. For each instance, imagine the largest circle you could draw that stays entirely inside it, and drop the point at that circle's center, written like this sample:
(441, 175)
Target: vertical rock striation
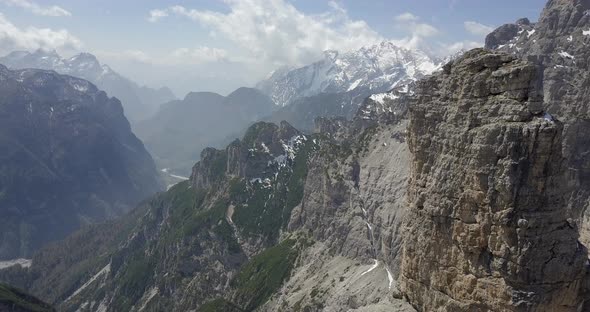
(488, 228)
(558, 45)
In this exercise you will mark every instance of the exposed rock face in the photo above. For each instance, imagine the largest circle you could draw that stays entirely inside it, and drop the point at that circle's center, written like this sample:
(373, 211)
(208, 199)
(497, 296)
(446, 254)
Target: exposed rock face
(558, 43)
(353, 206)
(68, 158)
(505, 33)
(489, 227)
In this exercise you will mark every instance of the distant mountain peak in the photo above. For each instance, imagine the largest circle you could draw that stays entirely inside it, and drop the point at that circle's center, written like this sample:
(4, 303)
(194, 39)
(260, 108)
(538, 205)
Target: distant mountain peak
(202, 95)
(139, 102)
(378, 68)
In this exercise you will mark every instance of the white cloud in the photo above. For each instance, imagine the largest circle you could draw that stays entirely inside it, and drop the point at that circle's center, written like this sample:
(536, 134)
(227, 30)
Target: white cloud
(274, 31)
(477, 29)
(425, 30)
(418, 32)
(406, 17)
(37, 9)
(13, 38)
(137, 55)
(129, 56)
(181, 56)
(453, 48)
(156, 15)
(199, 55)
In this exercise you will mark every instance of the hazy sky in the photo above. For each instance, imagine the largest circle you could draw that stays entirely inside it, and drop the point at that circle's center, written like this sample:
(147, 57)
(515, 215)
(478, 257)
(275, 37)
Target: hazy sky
(219, 45)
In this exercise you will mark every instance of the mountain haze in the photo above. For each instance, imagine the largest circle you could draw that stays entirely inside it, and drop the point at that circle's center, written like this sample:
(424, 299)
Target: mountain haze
(181, 129)
(138, 102)
(68, 158)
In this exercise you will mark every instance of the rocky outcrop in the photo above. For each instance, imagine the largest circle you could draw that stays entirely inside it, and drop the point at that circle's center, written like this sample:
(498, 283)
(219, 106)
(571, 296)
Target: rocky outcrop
(505, 33)
(68, 158)
(488, 227)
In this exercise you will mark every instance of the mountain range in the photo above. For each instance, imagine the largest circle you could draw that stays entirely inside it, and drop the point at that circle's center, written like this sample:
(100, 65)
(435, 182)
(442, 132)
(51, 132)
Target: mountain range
(334, 86)
(465, 190)
(138, 102)
(378, 68)
(339, 83)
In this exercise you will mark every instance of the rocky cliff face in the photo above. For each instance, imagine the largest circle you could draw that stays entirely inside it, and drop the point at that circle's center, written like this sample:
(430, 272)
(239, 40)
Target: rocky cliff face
(353, 206)
(557, 43)
(68, 157)
(489, 226)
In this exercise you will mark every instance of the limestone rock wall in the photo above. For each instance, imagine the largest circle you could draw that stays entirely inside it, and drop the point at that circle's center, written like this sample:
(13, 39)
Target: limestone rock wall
(488, 228)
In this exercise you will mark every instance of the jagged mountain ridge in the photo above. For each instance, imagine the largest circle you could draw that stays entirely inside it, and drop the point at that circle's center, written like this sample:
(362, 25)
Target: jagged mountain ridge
(138, 102)
(378, 68)
(68, 158)
(338, 84)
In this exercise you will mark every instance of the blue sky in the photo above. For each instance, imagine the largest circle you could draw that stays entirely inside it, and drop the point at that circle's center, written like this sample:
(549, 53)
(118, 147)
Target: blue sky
(220, 44)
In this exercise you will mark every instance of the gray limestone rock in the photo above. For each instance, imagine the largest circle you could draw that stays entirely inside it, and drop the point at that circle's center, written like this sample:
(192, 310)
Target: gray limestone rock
(487, 227)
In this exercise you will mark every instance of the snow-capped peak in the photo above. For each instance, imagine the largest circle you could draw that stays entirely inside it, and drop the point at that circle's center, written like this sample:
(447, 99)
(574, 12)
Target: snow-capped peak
(375, 68)
(84, 65)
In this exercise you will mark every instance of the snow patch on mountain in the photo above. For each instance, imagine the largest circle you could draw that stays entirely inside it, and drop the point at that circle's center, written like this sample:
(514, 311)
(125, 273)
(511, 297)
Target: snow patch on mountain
(566, 55)
(25, 263)
(373, 267)
(105, 271)
(354, 84)
(381, 97)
